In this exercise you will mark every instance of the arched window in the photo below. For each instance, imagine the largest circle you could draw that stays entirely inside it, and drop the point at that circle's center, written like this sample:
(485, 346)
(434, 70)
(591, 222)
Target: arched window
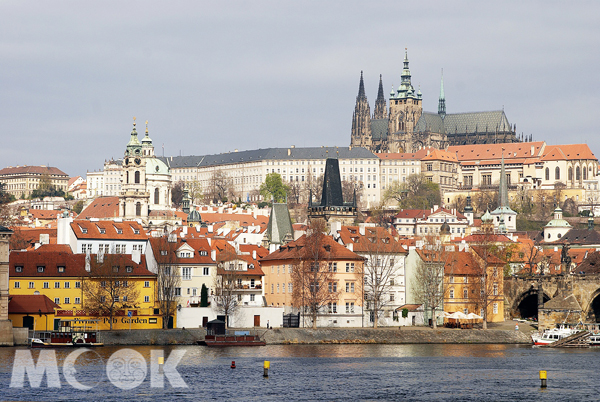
(156, 195)
(138, 209)
(126, 177)
(557, 173)
(137, 177)
(577, 173)
(547, 173)
(570, 178)
(584, 173)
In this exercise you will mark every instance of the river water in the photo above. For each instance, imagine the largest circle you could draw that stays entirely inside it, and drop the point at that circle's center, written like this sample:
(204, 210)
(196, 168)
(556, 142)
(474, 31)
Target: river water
(332, 373)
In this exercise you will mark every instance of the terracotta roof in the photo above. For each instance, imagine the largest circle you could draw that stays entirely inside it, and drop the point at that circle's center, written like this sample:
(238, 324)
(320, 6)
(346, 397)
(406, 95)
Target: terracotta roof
(199, 245)
(424, 213)
(45, 214)
(32, 235)
(490, 257)
(243, 219)
(31, 304)
(52, 171)
(567, 152)
(101, 208)
(437, 154)
(330, 250)
(591, 265)
(405, 155)
(130, 230)
(73, 180)
(74, 264)
(375, 240)
(409, 307)
(481, 237)
(455, 262)
(494, 151)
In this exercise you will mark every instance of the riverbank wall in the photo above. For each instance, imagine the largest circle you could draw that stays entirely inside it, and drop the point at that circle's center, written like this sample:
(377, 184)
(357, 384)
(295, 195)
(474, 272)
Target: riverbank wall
(393, 336)
(287, 336)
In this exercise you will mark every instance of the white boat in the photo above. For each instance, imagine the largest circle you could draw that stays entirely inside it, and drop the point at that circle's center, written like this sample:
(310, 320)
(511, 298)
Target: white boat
(594, 340)
(552, 335)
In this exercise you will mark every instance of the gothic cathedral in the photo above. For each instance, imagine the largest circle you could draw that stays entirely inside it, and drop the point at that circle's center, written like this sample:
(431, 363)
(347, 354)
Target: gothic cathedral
(406, 128)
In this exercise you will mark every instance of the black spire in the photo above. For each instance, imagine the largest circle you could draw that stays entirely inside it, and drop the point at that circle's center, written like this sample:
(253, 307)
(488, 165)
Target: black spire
(332, 185)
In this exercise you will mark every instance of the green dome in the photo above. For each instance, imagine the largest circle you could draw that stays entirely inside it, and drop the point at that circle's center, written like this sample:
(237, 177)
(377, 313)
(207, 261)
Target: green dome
(156, 166)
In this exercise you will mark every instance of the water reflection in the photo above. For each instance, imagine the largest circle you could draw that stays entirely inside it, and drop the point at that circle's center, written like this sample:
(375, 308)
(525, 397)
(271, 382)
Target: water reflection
(338, 372)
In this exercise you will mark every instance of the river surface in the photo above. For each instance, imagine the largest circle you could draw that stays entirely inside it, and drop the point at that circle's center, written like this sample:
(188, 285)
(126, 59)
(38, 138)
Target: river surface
(326, 373)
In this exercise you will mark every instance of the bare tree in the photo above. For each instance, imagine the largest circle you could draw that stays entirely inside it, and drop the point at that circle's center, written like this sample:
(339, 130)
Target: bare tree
(428, 282)
(107, 287)
(382, 254)
(314, 186)
(314, 284)
(295, 191)
(227, 284)
(220, 186)
(195, 191)
(168, 278)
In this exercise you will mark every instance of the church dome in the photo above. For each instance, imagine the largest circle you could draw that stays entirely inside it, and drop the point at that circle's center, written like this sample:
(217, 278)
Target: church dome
(156, 166)
(194, 216)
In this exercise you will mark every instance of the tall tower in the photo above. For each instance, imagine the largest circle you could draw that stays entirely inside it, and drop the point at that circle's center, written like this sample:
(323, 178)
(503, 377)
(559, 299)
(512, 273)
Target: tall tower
(380, 111)
(405, 110)
(133, 202)
(442, 101)
(361, 119)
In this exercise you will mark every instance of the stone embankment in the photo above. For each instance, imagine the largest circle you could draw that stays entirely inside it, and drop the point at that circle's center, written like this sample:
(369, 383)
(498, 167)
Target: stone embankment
(393, 336)
(152, 337)
(290, 336)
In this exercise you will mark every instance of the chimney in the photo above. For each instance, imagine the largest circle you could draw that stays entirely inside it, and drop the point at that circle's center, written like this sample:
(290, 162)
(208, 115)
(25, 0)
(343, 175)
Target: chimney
(87, 263)
(210, 228)
(209, 240)
(184, 231)
(136, 256)
(289, 152)
(254, 254)
(361, 229)
(213, 254)
(350, 246)
(532, 150)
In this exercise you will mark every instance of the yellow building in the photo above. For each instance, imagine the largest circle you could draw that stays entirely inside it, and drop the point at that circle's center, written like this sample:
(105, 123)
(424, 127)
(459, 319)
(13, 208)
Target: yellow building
(339, 292)
(84, 287)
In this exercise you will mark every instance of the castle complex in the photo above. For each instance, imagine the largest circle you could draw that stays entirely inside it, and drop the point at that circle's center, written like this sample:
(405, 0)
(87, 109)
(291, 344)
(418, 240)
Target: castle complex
(407, 128)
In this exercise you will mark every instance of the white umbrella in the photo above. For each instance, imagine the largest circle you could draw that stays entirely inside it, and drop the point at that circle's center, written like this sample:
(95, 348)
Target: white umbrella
(458, 316)
(446, 314)
(473, 316)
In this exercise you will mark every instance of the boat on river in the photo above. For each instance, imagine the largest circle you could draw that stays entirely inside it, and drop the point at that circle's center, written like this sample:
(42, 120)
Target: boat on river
(552, 335)
(57, 339)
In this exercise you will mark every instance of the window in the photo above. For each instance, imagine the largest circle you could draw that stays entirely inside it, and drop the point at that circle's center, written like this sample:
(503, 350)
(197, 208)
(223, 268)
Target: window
(349, 267)
(547, 173)
(349, 287)
(67, 300)
(186, 273)
(56, 285)
(252, 297)
(78, 300)
(349, 307)
(495, 308)
(205, 271)
(40, 269)
(115, 269)
(277, 288)
(290, 287)
(163, 252)
(452, 293)
(486, 179)
(18, 268)
(46, 285)
(146, 299)
(332, 307)
(465, 293)
(146, 284)
(77, 285)
(61, 269)
(57, 300)
(333, 267)
(125, 284)
(177, 291)
(391, 297)
(557, 173)
(332, 287)
(17, 285)
(272, 288)
(495, 289)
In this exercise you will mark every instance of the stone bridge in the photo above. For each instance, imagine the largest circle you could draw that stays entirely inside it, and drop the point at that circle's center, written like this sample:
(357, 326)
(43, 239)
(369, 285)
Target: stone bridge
(556, 301)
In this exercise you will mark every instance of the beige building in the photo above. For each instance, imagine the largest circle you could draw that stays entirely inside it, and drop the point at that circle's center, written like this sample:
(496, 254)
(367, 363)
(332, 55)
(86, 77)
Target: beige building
(22, 180)
(105, 182)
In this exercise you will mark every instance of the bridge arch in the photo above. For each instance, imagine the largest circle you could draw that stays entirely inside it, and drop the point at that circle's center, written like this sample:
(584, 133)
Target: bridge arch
(526, 305)
(592, 312)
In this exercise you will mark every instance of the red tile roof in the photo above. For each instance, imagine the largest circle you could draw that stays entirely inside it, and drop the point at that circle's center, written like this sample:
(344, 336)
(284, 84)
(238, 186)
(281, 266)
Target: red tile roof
(101, 208)
(567, 152)
(130, 230)
(424, 213)
(494, 151)
(375, 240)
(31, 304)
(330, 250)
(52, 171)
(161, 245)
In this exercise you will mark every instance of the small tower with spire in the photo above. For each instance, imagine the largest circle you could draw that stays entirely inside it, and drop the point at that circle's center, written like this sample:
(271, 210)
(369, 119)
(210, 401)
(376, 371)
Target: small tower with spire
(380, 111)
(442, 101)
(503, 214)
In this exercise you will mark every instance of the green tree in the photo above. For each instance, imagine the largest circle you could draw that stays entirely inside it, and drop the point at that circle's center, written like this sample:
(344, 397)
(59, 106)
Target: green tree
(46, 188)
(274, 188)
(78, 207)
(204, 296)
(416, 193)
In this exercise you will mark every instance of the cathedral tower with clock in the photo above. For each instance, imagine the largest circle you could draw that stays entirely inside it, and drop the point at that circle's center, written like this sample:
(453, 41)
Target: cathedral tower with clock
(146, 180)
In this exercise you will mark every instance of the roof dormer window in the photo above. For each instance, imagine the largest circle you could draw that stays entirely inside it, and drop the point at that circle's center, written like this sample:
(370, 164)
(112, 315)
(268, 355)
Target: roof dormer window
(61, 269)
(18, 268)
(40, 269)
(102, 231)
(84, 230)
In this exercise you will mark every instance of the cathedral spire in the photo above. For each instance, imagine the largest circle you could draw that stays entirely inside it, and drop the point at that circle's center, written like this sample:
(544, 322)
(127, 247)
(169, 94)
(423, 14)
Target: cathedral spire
(361, 88)
(442, 101)
(380, 111)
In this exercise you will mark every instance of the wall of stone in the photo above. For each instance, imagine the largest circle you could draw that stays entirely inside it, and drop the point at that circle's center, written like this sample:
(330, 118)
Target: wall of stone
(392, 336)
(152, 337)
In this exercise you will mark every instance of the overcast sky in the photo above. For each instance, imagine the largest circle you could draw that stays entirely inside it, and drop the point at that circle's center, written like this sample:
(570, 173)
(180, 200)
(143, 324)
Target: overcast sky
(211, 77)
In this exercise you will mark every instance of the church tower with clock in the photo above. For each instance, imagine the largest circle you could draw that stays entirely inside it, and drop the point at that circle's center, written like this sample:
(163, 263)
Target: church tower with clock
(134, 198)
(145, 182)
